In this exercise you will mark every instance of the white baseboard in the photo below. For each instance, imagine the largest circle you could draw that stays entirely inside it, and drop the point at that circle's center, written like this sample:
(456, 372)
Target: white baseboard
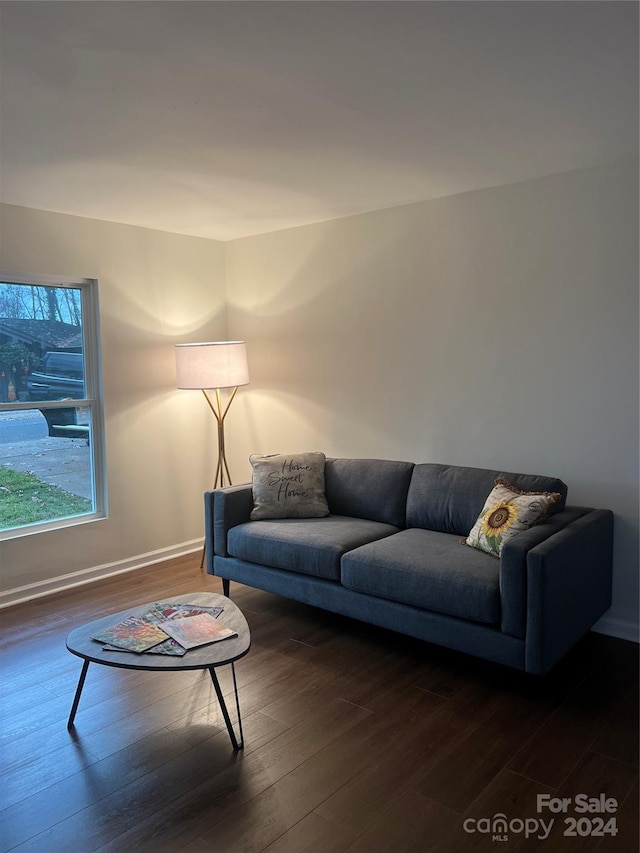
(623, 629)
(48, 587)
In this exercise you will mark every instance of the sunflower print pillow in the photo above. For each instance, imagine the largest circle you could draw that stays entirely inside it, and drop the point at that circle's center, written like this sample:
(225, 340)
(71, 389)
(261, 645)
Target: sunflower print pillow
(507, 512)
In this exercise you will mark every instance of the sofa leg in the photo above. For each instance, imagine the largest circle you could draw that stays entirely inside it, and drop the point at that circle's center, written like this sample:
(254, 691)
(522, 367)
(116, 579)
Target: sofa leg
(226, 586)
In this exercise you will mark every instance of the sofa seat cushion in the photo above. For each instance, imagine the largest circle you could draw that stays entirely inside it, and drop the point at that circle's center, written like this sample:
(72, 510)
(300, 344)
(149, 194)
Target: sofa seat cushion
(429, 570)
(308, 546)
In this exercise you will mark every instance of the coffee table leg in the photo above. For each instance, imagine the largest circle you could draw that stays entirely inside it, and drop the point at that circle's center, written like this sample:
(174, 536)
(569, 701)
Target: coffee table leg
(236, 744)
(76, 698)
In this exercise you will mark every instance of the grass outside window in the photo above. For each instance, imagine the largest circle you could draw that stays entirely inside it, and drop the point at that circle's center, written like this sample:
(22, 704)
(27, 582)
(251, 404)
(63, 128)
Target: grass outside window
(25, 499)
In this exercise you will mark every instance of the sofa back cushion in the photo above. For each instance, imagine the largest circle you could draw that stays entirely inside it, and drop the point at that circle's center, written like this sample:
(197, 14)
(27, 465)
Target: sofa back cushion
(449, 498)
(368, 488)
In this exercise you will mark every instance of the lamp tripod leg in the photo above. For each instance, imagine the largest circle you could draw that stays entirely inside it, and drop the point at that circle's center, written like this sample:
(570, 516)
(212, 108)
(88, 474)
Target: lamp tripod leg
(226, 468)
(222, 466)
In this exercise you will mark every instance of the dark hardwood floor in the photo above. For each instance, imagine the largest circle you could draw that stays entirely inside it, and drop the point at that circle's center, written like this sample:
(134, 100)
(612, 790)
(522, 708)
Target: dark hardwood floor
(357, 739)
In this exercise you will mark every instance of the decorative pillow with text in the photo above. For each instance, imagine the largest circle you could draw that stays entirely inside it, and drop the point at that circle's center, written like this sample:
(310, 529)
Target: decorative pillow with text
(288, 486)
(507, 512)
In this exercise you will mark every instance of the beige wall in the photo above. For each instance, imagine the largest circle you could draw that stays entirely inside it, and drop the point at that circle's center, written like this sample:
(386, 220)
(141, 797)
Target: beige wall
(155, 289)
(496, 328)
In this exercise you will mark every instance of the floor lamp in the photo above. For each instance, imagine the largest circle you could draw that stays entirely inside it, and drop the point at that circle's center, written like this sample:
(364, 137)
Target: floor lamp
(211, 368)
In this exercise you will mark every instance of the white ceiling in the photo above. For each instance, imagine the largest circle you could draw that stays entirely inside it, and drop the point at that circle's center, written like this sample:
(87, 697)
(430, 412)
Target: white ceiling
(223, 119)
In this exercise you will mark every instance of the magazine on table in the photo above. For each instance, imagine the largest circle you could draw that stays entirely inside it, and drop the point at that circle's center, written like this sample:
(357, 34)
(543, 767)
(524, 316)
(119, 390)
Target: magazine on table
(131, 635)
(199, 630)
(134, 634)
(166, 647)
(180, 610)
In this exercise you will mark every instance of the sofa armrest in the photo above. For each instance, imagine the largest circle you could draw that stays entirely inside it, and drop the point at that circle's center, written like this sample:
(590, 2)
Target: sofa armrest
(223, 509)
(569, 578)
(513, 567)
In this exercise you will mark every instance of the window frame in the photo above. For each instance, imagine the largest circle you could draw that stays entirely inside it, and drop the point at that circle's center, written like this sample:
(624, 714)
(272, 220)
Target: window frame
(93, 399)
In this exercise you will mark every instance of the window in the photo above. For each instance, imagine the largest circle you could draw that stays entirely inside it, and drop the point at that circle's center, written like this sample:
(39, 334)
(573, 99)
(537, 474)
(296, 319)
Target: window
(51, 423)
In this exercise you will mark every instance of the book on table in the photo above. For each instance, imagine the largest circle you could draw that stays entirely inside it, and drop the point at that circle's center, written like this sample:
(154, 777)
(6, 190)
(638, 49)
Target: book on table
(199, 630)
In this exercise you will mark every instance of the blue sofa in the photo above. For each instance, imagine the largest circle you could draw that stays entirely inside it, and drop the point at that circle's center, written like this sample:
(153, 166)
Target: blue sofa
(390, 553)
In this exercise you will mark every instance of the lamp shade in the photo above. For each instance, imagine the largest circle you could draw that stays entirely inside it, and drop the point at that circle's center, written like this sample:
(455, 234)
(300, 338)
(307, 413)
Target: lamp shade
(217, 364)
